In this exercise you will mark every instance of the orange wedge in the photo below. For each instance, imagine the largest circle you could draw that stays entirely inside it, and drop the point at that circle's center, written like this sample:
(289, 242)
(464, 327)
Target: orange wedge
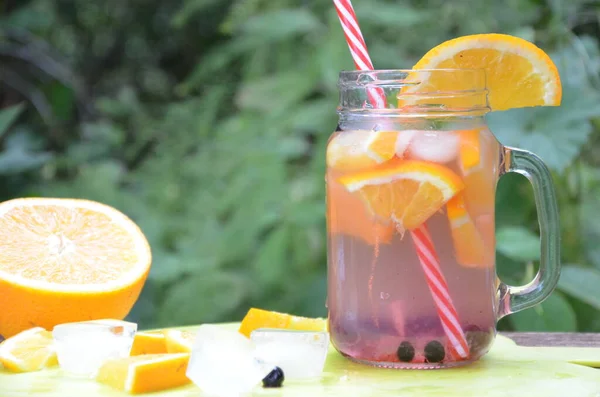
(355, 150)
(478, 162)
(28, 351)
(469, 149)
(258, 318)
(64, 260)
(146, 373)
(469, 246)
(178, 341)
(518, 73)
(347, 215)
(405, 191)
(148, 343)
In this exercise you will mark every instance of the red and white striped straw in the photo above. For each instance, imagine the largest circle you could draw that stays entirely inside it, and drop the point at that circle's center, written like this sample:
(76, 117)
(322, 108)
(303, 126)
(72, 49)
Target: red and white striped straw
(420, 236)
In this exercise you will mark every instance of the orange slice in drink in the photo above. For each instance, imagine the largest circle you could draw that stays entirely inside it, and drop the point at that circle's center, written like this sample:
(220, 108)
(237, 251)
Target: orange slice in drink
(258, 318)
(469, 149)
(478, 158)
(347, 215)
(518, 73)
(355, 150)
(469, 246)
(405, 191)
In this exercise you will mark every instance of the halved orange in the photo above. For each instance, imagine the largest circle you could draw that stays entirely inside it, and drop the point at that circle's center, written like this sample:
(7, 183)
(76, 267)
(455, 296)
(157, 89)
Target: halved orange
(179, 341)
(518, 73)
(347, 215)
(258, 318)
(146, 373)
(30, 350)
(150, 342)
(359, 149)
(469, 246)
(67, 260)
(405, 191)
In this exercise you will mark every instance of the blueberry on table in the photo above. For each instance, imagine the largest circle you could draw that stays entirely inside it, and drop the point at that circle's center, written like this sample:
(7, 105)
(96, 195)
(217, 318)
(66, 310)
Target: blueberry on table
(274, 379)
(434, 352)
(405, 352)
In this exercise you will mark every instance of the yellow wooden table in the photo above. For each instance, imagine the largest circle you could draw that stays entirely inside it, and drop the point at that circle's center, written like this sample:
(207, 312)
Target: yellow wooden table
(508, 370)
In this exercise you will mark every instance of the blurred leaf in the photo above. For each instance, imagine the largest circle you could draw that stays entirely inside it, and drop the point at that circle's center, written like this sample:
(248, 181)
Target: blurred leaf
(271, 264)
(518, 243)
(8, 116)
(556, 134)
(191, 8)
(62, 99)
(17, 161)
(582, 283)
(202, 298)
(590, 227)
(291, 87)
(512, 202)
(553, 315)
(280, 24)
(396, 16)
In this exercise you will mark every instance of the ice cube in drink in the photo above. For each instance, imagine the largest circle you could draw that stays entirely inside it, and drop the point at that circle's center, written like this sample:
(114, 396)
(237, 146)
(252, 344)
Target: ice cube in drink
(223, 362)
(82, 347)
(300, 354)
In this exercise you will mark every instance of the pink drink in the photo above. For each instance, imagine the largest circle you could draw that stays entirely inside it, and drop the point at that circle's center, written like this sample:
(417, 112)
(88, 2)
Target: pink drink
(381, 309)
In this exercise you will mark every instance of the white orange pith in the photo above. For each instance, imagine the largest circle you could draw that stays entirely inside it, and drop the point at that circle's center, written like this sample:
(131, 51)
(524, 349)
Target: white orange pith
(67, 260)
(146, 373)
(354, 150)
(518, 73)
(406, 192)
(30, 350)
(469, 245)
(178, 341)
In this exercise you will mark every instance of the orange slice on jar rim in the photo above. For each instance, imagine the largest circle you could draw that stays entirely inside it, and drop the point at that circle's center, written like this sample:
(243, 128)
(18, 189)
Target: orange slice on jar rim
(518, 73)
(407, 192)
(470, 248)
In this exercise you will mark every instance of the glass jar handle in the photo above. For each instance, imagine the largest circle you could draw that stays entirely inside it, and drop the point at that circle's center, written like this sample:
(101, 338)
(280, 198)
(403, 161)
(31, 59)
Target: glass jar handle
(514, 299)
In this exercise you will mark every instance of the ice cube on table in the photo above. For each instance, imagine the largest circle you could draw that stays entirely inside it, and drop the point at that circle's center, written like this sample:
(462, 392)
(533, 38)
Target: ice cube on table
(82, 347)
(223, 363)
(300, 354)
(435, 146)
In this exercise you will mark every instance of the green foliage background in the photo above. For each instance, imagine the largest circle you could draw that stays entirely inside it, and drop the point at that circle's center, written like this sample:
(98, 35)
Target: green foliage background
(206, 122)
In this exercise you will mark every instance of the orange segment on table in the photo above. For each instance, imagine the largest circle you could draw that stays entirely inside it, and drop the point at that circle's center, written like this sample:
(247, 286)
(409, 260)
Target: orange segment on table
(405, 191)
(146, 373)
(259, 318)
(30, 350)
(148, 343)
(179, 341)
